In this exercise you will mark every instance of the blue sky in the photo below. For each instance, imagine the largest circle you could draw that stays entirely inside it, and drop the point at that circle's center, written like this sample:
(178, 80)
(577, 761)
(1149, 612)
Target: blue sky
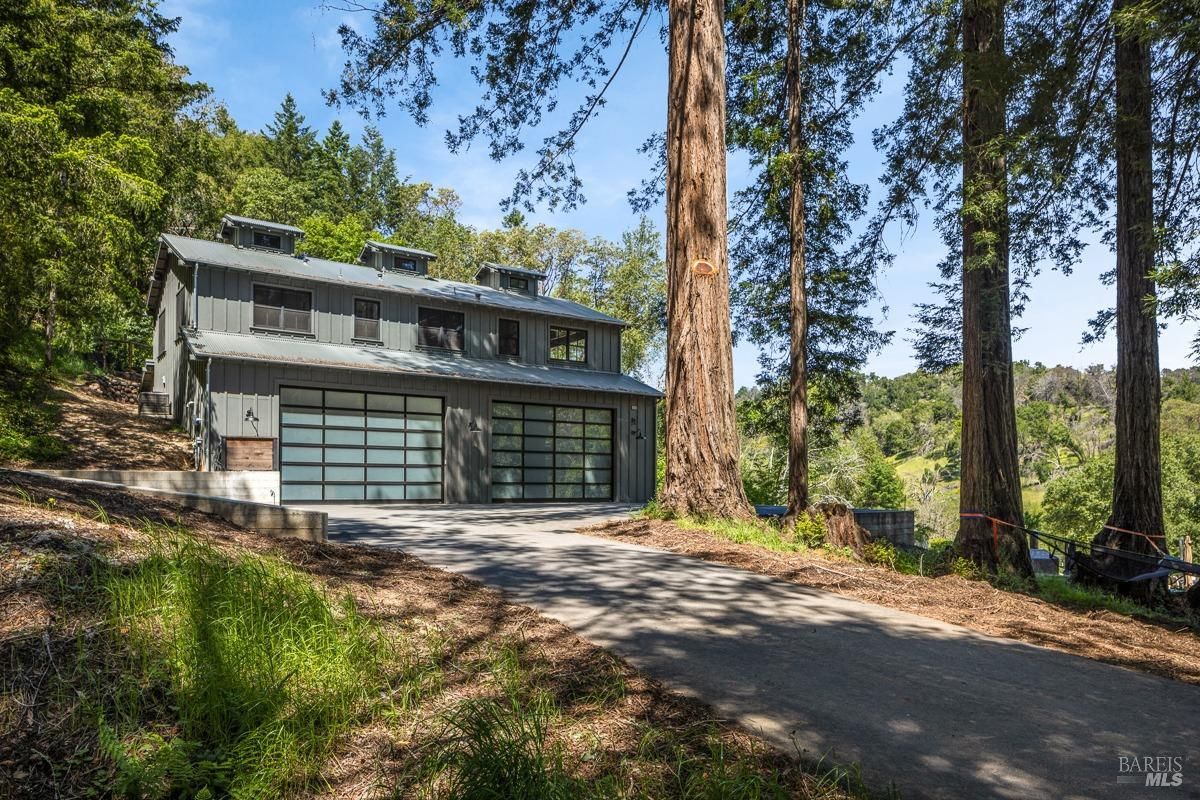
(252, 54)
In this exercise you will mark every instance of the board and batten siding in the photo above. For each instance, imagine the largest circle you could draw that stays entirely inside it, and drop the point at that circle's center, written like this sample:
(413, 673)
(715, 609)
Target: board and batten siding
(241, 386)
(170, 368)
(226, 304)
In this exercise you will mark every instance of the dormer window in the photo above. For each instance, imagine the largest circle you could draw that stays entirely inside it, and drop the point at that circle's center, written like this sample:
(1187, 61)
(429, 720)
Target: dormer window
(259, 234)
(510, 279)
(271, 241)
(385, 257)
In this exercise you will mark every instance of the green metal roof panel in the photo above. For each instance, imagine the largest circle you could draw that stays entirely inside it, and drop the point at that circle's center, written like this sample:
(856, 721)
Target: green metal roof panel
(289, 350)
(261, 223)
(404, 251)
(528, 273)
(318, 269)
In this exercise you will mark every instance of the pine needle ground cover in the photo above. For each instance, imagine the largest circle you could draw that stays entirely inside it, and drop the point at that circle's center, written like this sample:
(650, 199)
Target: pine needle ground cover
(151, 655)
(1060, 616)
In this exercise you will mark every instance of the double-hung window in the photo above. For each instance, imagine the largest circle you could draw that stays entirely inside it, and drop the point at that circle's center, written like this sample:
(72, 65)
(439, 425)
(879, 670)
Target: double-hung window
(437, 327)
(510, 338)
(283, 309)
(568, 344)
(366, 319)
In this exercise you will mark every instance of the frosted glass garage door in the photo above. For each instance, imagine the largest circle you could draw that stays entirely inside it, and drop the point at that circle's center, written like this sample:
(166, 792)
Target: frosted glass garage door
(339, 446)
(542, 452)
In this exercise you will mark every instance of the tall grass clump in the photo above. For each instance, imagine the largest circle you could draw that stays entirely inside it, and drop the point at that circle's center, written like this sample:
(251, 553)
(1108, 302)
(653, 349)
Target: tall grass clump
(261, 671)
(499, 746)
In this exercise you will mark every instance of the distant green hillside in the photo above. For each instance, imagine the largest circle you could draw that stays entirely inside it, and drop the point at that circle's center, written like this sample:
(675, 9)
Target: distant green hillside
(909, 426)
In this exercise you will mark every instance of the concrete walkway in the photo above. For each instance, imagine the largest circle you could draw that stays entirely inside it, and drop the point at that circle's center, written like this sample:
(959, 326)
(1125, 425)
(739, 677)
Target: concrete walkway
(941, 711)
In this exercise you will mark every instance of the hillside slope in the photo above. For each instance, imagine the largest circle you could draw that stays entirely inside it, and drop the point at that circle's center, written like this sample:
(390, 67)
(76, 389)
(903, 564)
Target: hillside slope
(98, 427)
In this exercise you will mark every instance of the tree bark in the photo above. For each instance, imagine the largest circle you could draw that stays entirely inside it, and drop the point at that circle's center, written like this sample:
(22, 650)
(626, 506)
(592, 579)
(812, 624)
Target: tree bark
(51, 323)
(990, 476)
(702, 475)
(798, 387)
(1137, 484)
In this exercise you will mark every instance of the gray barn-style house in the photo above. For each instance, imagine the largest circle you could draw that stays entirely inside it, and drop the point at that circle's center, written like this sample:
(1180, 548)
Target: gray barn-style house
(375, 382)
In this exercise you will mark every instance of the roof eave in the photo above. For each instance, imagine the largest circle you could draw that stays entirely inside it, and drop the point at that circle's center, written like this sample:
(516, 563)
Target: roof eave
(198, 351)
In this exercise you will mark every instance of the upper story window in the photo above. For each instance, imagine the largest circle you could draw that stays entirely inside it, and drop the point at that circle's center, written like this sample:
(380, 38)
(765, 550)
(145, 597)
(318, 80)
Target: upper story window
(405, 264)
(518, 284)
(366, 319)
(437, 327)
(162, 333)
(568, 344)
(510, 338)
(180, 309)
(272, 241)
(283, 309)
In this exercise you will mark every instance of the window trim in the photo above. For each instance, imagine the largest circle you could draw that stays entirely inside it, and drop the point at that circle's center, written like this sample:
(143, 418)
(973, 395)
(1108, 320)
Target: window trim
(355, 318)
(312, 310)
(500, 338)
(568, 360)
(437, 347)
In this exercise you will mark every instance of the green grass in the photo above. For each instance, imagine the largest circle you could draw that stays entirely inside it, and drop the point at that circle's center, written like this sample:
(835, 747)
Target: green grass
(262, 672)
(1061, 591)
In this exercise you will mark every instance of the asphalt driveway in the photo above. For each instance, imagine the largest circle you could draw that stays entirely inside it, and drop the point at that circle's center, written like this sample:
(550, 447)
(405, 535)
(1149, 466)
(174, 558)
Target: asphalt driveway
(942, 711)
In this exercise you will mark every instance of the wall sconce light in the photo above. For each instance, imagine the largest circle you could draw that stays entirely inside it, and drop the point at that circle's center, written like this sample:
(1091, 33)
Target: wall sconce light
(251, 416)
(473, 427)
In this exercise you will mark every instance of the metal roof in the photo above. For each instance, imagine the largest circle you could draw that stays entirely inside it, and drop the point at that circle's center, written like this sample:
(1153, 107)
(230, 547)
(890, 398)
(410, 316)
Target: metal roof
(261, 223)
(404, 251)
(529, 273)
(267, 262)
(290, 350)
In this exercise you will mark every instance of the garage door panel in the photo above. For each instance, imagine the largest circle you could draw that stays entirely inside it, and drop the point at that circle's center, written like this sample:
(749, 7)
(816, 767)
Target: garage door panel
(346, 446)
(546, 452)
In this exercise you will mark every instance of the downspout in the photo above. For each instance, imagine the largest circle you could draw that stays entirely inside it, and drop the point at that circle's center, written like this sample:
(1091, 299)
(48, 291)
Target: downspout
(208, 415)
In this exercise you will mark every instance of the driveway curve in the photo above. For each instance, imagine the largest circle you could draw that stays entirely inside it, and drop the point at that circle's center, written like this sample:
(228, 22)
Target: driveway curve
(939, 710)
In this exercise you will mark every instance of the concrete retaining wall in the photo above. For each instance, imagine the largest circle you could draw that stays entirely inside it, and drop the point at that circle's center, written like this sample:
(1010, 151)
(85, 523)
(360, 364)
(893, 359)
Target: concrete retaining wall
(254, 486)
(270, 520)
(895, 525)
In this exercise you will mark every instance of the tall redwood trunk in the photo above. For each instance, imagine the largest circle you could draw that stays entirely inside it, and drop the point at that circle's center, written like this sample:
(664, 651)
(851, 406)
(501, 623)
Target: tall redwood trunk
(702, 474)
(1137, 485)
(991, 482)
(798, 379)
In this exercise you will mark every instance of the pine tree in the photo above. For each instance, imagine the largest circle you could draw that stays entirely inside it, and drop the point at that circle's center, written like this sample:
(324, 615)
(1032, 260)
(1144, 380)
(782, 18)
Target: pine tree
(794, 90)
(291, 145)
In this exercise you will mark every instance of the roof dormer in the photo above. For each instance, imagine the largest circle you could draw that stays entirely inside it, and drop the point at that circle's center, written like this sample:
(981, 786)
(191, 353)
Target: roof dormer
(386, 257)
(510, 279)
(259, 234)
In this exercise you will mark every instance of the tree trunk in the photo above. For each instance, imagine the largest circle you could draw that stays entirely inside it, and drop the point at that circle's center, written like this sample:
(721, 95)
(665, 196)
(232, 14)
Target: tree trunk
(702, 475)
(798, 392)
(1137, 484)
(990, 476)
(51, 321)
